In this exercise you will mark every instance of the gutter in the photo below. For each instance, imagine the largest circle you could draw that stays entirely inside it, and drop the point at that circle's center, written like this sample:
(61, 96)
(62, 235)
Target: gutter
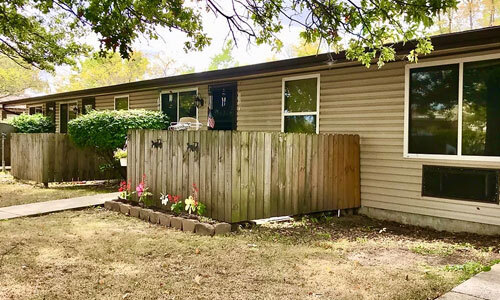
(6, 109)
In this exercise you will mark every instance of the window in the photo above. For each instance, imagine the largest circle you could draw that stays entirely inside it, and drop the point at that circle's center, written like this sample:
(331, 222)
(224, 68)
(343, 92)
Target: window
(35, 110)
(460, 183)
(481, 108)
(121, 103)
(178, 104)
(300, 104)
(67, 112)
(453, 109)
(88, 105)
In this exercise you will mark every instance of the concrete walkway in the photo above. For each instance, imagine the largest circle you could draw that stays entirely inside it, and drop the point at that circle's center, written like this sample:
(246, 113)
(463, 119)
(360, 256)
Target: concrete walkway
(485, 285)
(39, 208)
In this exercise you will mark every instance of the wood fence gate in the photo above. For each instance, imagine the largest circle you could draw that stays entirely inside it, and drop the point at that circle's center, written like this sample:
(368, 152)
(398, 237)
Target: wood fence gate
(244, 176)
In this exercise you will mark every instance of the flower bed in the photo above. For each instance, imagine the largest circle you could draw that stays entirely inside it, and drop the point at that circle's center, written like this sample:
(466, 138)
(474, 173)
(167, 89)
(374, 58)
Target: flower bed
(185, 215)
(185, 222)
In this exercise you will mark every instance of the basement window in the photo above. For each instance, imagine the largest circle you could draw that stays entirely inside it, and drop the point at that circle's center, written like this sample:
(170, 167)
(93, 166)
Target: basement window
(300, 104)
(469, 184)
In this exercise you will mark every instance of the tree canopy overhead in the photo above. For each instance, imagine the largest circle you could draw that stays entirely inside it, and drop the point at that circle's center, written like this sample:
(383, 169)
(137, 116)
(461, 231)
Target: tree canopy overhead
(45, 33)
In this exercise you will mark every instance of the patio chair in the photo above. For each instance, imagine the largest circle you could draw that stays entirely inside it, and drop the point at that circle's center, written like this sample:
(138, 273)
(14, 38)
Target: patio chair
(186, 123)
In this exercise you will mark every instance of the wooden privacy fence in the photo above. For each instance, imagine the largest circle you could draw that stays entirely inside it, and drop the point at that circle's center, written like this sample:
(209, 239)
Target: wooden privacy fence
(244, 176)
(52, 157)
(8, 130)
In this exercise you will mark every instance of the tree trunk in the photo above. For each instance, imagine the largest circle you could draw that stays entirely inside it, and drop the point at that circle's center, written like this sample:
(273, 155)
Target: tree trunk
(450, 18)
(492, 13)
(471, 14)
(439, 24)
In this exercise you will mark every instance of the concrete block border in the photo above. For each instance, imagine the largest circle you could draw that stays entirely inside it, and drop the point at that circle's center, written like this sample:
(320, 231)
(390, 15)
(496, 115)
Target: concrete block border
(169, 220)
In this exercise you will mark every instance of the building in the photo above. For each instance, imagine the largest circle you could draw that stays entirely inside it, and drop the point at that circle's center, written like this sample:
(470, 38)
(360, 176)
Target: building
(430, 132)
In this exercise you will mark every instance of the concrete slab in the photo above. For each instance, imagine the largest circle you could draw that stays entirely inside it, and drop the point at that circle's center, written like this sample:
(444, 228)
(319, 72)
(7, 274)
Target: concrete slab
(458, 296)
(485, 285)
(39, 208)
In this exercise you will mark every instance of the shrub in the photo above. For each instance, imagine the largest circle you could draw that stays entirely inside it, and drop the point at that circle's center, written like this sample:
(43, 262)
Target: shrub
(36, 123)
(105, 131)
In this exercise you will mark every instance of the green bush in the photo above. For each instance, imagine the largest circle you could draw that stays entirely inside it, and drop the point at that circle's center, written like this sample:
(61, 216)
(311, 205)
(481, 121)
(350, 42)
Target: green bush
(36, 123)
(104, 131)
(107, 130)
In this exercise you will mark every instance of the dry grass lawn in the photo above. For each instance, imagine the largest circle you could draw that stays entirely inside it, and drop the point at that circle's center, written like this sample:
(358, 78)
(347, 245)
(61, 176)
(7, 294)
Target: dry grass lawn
(97, 254)
(13, 192)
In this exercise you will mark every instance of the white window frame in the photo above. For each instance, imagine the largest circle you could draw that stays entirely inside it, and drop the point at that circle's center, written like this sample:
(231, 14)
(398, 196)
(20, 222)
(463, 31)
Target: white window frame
(121, 96)
(177, 91)
(458, 156)
(35, 106)
(308, 113)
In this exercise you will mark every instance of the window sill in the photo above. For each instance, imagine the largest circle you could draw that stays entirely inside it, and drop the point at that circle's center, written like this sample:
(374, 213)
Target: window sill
(452, 157)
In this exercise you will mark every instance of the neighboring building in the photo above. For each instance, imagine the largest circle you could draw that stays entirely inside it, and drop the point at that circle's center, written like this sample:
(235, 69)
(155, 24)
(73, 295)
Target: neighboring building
(11, 110)
(430, 132)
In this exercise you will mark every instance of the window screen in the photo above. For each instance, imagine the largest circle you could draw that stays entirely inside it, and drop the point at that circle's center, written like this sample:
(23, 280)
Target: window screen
(300, 105)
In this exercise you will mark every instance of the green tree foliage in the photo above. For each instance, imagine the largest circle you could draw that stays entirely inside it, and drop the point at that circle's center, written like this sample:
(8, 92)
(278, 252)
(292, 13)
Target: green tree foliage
(16, 79)
(162, 66)
(224, 59)
(105, 131)
(106, 70)
(36, 123)
(490, 12)
(45, 33)
(469, 14)
(303, 48)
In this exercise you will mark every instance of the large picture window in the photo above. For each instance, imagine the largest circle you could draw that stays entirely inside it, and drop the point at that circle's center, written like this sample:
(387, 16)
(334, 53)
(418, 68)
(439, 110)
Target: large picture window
(178, 104)
(300, 104)
(453, 110)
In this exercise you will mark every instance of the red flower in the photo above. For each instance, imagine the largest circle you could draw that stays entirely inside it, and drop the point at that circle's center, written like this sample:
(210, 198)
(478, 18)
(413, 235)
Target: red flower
(123, 186)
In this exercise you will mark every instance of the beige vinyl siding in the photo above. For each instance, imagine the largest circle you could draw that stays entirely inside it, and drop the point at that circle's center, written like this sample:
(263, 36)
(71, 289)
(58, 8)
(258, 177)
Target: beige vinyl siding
(137, 100)
(259, 104)
(369, 102)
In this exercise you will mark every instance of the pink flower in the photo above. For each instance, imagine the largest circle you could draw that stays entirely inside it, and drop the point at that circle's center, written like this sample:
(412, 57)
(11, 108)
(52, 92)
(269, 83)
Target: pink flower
(140, 189)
